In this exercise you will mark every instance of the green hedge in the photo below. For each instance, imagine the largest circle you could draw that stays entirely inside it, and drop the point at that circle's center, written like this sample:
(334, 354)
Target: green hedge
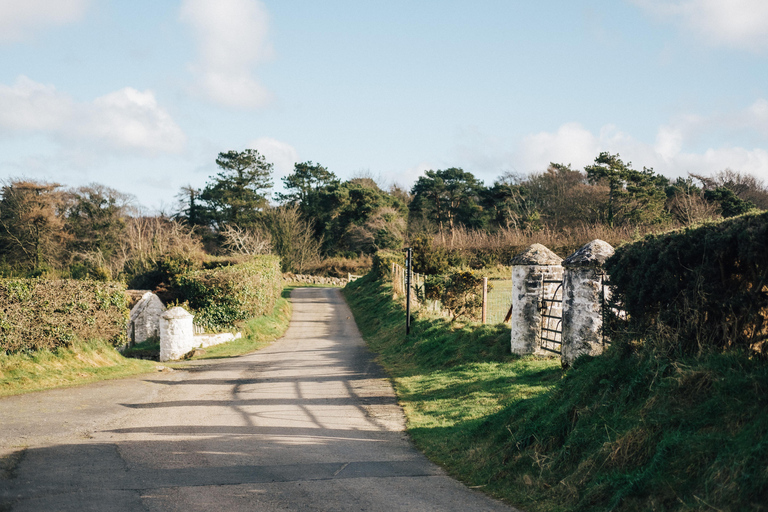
(45, 314)
(222, 296)
(382, 262)
(697, 289)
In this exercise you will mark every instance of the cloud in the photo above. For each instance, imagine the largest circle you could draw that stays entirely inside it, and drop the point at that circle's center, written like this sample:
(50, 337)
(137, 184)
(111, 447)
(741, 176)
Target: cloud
(572, 143)
(282, 155)
(741, 24)
(232, 39)
(127, 119)
(20, 18)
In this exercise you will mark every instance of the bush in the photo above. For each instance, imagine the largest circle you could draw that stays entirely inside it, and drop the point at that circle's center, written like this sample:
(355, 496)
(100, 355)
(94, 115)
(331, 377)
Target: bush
(697, 289)
(459, 292)
(39, 314)
(383, 260)
(223, 296)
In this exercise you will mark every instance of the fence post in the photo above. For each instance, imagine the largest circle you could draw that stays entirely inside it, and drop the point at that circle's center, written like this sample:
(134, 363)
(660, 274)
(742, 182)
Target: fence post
(408, 258)
(485, 299)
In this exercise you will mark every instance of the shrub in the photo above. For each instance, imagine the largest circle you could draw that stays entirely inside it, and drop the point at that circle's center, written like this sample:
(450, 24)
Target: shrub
(39, 314)
(383, 260)
(459, 292)
(222, 296)
(698, 288)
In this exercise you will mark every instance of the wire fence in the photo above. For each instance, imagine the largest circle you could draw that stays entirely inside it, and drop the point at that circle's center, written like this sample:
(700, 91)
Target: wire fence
(497, 301)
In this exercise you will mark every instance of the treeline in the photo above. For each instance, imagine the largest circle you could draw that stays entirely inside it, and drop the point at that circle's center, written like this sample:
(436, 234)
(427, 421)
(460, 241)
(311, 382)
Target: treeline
(450, 215)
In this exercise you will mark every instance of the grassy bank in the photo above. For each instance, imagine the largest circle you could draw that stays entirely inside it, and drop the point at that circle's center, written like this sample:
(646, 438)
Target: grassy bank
(625, 431)
(79, 364)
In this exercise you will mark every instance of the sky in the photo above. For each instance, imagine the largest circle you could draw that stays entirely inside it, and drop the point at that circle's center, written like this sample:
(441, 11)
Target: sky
(141, 96)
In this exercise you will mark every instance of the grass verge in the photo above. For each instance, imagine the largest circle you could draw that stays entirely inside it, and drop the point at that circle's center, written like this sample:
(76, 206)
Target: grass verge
(80, 364)
(629, 430)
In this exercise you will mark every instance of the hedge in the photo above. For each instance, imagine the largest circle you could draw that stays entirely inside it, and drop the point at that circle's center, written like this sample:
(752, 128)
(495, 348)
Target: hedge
(383, 260)
(222, 296)
(697, 289)
(46, 314)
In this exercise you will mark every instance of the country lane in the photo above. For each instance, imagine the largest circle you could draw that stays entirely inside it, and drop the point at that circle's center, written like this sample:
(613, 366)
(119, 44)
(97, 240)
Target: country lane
(309, 423)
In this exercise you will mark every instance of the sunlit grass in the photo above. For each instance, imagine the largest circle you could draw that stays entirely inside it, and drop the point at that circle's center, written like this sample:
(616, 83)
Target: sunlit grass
(629, 430)
(82, 363)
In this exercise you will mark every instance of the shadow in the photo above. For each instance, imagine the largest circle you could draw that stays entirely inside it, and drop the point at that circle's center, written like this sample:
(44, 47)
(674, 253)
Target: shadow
(337, 401)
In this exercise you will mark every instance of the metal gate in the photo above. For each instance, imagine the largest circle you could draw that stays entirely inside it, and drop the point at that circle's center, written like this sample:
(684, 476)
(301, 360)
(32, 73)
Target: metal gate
(551, 338)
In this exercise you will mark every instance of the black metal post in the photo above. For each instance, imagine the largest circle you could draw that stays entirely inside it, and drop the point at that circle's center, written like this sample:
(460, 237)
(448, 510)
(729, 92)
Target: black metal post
(408, 257)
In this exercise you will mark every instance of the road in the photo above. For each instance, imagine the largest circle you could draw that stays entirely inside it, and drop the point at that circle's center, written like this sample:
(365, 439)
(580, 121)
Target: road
(308, 423)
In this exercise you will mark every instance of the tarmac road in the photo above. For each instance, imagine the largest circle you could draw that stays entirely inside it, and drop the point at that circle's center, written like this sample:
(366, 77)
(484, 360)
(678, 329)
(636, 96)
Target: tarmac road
(308, 423)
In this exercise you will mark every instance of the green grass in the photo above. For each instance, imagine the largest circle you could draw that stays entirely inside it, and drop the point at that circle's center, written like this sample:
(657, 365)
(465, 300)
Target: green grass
(628, 430)
(80, 364)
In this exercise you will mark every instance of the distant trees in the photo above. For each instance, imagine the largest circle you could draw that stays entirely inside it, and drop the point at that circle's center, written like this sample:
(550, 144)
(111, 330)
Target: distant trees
(633, 196)
(239, 192)
(450, 197)
(97, 232)
(32, 227)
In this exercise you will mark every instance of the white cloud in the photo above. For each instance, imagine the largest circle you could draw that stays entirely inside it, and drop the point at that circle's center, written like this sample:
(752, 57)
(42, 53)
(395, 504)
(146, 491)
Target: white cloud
(126, 119)
(20, 18)
(281, 154)
(741, 24)
(574, 144)
(232, 39)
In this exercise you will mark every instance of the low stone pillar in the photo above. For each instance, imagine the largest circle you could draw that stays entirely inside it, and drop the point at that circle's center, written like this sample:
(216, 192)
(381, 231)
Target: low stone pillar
(582, 301)
(529, 271)
(177, 334)
(144, 321)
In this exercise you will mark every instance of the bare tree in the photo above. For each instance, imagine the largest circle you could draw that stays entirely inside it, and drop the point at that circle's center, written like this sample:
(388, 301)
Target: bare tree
(292, 238)
(246, 241)
(32, 223)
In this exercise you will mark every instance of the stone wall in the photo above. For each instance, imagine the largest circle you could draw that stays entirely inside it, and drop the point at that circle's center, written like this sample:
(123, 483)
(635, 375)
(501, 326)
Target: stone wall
(306, 279)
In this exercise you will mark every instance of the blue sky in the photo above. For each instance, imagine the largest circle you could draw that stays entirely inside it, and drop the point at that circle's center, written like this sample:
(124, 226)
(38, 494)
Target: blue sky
(142, 95)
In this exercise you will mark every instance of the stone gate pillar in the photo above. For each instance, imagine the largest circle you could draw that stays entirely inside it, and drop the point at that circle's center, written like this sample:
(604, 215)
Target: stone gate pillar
(582, 301)
(529, 271)
(177, 333)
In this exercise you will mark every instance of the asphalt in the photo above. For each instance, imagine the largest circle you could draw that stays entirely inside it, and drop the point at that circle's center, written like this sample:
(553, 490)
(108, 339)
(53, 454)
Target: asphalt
(308, 423)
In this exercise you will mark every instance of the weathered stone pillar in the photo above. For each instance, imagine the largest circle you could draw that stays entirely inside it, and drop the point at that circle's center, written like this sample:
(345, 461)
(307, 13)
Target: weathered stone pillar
(582, 301)
(177, 334)
(530, 270)
(144, 321)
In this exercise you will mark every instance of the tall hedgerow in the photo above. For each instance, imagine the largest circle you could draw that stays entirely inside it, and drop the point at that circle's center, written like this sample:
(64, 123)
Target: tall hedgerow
(223, 296)
(697, 289)
(46, 314)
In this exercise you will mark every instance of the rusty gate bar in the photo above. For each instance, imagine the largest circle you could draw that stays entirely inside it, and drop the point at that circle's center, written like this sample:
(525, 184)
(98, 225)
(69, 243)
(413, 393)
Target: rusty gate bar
(549, 335)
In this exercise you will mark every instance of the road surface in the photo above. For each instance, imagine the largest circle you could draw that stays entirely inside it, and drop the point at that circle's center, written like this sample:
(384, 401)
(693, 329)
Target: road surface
(308, 423)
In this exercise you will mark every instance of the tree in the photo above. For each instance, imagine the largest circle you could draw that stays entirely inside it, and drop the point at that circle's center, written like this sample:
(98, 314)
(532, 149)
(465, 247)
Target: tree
(743, 185)
(292, 238)
(351, 203)
(303, 187)
(633, 196)
(96, 219)
(730, 204)
(190, 210)
(238, 193)
(450, 196)
(32, 225)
